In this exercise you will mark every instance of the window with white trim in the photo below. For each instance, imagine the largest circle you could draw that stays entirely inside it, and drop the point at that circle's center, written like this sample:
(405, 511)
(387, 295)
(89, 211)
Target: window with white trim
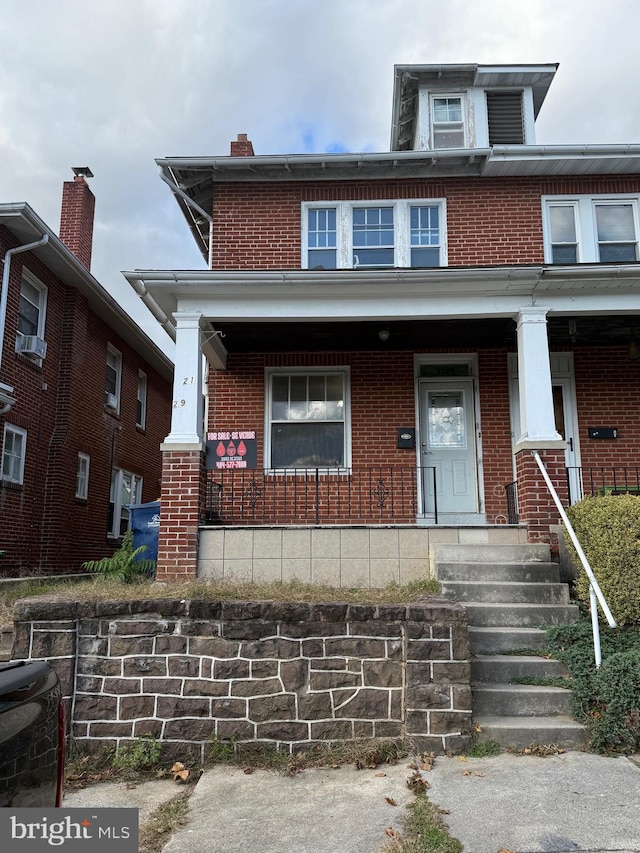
(32, 309)
(591, 229)
(14, 446)
(113, 378)
(447, 121)
(141, 400)
(307, 418)
(360, 235)
(82, 477)
(126, 489)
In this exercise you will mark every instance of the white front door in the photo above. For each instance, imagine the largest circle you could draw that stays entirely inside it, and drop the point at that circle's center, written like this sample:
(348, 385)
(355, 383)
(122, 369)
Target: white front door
(448, 456)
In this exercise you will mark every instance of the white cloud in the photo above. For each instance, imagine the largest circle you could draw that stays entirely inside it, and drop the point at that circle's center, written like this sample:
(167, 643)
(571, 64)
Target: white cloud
(112, 84)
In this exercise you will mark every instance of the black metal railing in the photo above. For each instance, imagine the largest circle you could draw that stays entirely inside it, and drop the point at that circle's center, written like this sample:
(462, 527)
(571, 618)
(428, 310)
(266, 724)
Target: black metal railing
(511, 494)
(602, 480)
(381, 494)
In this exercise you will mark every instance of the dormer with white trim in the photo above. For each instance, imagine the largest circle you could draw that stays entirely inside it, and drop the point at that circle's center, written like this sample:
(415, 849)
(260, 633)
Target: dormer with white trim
(438, 107)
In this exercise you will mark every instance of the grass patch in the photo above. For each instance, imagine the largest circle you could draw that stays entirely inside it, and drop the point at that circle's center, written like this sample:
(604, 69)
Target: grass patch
(484, 748)
(105, 589)
(425, 831)
(163, 822)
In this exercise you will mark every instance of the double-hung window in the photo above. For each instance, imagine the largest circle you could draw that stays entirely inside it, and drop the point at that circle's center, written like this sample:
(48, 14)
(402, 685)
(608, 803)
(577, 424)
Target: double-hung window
(126, 489)
(113, 378)
(447, 121)
(591, 229)
(82, 477)
(141, 400)
(307, 419)
(31, 316)
(14, 446)
(361, 235)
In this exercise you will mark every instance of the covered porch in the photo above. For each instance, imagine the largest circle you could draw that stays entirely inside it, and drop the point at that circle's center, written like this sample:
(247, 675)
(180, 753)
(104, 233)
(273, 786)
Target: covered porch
(450, 378)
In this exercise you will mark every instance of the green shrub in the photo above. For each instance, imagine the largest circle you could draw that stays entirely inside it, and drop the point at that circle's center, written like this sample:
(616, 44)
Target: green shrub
(606, 699)
(143, 754)
(608, 529)
(125, 564)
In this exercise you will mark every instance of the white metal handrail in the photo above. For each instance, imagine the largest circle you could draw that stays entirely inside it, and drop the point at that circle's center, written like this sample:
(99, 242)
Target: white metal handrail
(595, 593)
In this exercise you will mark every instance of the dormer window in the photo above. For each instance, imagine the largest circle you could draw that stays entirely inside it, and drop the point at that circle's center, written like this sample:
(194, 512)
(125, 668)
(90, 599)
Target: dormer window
(447, 121)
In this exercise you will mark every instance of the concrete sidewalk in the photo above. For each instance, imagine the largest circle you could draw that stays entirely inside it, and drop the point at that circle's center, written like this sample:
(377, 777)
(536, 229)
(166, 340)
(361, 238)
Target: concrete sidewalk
(562, 803)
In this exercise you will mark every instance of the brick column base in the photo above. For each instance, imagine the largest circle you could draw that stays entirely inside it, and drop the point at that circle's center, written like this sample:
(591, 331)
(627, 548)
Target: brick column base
(536, 508)
(182, 489)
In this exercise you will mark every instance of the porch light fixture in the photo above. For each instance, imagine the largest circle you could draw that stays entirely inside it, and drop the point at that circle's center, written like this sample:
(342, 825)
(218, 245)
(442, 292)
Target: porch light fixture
(384, 334)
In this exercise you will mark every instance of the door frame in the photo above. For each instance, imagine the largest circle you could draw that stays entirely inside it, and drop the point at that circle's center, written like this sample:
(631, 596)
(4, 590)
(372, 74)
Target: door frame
(470, 360)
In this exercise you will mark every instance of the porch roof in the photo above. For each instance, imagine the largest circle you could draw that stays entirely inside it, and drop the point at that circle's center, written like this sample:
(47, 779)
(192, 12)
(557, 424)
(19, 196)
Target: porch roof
(275, 310)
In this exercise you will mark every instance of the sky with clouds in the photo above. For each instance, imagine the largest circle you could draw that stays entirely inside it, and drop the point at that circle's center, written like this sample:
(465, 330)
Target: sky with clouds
(113, 84)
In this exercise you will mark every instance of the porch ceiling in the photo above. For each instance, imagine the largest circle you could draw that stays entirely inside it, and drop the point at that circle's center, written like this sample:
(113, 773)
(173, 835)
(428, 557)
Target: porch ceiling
(419, 334)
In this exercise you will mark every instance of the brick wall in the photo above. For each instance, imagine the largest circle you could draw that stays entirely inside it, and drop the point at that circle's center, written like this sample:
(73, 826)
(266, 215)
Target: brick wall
(292, 674)
(61, 405)
(257, 225)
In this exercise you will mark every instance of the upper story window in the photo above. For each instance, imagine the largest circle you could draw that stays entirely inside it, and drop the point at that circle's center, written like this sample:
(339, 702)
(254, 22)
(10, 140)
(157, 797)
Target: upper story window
(31, 316)
(591, 229)
(113, 378)
(141, 400)
(307, 419)
(82, 476)
(14, 446)
(447, 121)
(350, 235)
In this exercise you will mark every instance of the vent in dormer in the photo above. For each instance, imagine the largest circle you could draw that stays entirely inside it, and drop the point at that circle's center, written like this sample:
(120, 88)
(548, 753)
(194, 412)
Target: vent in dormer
(504, 111)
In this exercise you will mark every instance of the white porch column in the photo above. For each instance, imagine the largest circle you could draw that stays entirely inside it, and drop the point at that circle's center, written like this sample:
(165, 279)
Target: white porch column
(187, 405)
(537, 420)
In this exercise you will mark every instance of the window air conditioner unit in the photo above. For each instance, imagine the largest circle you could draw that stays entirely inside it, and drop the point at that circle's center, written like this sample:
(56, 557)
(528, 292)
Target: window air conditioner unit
(31, 345)
(110, 400)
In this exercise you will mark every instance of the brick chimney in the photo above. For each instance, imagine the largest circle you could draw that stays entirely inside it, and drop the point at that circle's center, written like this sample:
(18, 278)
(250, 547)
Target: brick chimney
(242, 147)
(76, 215)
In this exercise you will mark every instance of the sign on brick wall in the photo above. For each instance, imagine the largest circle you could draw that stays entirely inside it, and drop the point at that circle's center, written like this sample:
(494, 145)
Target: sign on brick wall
(236, 448)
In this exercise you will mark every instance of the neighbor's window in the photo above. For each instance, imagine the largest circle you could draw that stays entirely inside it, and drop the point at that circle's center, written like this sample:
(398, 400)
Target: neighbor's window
(126, 489)
(307, 419)
(32, 306)
(82, 477)
(141, 402)
(447, 121)
(113, 378)
(14, 447)
(591, 229)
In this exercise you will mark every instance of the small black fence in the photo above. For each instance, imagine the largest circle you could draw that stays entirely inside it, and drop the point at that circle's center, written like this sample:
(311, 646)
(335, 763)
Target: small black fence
(373, 495)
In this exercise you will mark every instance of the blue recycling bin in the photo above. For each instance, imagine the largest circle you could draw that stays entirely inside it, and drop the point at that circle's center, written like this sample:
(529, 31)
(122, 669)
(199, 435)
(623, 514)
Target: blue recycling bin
(145, 524)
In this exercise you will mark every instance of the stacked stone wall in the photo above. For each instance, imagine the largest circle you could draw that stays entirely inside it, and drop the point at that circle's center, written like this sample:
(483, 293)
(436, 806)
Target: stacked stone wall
(290, 674)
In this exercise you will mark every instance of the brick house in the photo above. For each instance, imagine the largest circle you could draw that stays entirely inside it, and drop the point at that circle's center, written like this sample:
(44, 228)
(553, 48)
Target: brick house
(84, 396)
(390, 335)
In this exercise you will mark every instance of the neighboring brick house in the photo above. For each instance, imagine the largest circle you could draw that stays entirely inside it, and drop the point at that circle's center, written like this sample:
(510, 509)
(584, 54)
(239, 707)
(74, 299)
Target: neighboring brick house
(84, 396)
(390, 335)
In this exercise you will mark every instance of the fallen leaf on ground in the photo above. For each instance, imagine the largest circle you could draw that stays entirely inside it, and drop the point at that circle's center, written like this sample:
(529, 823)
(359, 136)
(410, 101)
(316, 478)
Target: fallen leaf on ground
(416, 783)
(477, 773)
(392, 833)
(391, 801)
(467, 773)
(378, 775)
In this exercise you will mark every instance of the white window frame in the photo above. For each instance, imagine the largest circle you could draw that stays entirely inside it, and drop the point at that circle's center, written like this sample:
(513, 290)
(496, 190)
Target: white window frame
(435, 126)
(141, 400)
(345, 372)
(588, 250)
(82, 476)
(120, 515)
(15, 474)
(401, 223)
(116, 355)
(29, 278)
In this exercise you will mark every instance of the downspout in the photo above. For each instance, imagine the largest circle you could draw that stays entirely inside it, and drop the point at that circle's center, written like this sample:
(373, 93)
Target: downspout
(5, 282)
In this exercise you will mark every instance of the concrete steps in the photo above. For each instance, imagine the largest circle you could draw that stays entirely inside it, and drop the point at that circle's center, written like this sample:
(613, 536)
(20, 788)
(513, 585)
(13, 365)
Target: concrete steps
(511, 592)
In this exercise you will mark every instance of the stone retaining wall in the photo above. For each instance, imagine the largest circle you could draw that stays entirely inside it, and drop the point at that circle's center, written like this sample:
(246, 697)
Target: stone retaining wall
(292, 674)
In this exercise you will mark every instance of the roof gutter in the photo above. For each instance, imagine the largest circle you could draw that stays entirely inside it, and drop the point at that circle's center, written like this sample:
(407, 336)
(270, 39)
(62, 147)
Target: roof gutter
(5, 292)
